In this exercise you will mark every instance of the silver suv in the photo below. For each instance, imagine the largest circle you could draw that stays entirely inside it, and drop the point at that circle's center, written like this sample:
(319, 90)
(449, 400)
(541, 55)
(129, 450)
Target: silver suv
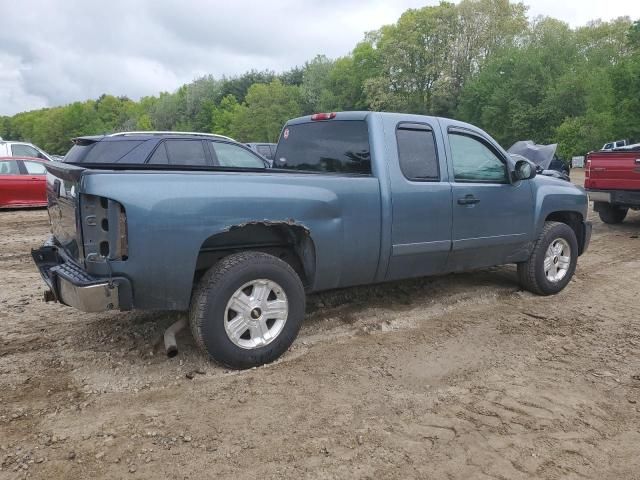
(21, 149)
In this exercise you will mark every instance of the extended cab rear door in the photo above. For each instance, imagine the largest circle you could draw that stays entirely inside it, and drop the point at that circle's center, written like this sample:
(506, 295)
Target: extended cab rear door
(421, 198)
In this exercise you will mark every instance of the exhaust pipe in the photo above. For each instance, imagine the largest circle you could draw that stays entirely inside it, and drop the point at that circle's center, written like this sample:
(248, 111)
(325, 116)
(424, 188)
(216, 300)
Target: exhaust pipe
(170, 345)
(49, 296)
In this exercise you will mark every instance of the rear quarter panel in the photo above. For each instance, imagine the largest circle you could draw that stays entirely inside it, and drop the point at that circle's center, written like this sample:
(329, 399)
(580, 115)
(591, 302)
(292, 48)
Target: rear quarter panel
(170, 215)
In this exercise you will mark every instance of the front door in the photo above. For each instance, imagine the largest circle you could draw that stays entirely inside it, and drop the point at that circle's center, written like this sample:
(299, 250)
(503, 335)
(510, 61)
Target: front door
(493, 218)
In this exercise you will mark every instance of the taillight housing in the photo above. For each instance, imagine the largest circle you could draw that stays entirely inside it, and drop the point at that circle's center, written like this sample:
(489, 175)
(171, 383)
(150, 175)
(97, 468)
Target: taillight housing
(323, 116)
(104, 229)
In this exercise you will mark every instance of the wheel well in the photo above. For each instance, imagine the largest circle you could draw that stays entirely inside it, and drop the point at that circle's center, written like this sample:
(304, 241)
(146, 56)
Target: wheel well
(289, 242)
(573, 220)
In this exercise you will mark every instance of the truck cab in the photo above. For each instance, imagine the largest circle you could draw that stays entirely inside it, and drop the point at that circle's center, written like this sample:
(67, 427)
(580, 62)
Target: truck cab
(613, 145)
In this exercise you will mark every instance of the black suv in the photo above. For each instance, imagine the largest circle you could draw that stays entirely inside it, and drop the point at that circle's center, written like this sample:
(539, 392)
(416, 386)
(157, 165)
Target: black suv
(165, 149)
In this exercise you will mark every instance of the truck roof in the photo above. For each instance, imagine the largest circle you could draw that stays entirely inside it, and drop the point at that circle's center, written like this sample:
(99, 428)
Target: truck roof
(362, 115)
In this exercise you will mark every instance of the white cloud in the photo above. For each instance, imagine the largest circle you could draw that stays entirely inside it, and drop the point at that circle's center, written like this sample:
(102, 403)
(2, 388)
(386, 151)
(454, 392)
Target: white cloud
(52, 53)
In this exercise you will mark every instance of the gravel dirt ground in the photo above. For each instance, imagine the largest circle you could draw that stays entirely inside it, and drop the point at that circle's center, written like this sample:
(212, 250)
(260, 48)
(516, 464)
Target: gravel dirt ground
(460, 376)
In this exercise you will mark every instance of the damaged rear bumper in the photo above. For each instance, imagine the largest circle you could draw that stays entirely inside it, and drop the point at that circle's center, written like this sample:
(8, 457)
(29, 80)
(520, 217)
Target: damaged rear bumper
(69, 284)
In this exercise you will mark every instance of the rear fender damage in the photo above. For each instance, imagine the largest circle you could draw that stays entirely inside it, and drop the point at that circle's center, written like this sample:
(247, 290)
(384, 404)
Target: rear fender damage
(287, 239)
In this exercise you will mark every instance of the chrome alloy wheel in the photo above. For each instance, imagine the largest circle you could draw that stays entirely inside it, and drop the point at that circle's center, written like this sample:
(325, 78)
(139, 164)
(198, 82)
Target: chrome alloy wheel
(256, 313)
(557, 260)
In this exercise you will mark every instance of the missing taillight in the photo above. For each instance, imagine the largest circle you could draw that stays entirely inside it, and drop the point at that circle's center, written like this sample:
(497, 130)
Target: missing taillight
(104, 229)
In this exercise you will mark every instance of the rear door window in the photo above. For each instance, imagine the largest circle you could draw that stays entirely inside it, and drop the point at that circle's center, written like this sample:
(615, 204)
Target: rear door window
(334, 146)
(9, 167)
(186, 152)
(229, 155)
(34, 168)
(417, 152)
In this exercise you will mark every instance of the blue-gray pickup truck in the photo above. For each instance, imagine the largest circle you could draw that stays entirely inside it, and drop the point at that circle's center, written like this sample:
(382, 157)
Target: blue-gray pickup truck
(353, 198)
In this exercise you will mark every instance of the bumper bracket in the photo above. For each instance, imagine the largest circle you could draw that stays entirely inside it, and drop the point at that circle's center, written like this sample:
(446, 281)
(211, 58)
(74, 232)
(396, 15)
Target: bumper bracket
(71, 285)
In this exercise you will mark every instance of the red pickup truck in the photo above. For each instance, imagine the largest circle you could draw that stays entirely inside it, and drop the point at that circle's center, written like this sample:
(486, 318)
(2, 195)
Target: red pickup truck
(612, 180)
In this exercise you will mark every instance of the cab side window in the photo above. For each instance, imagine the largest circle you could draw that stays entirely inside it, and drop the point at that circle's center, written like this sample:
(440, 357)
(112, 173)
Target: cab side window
(417, 153)
(474, 161)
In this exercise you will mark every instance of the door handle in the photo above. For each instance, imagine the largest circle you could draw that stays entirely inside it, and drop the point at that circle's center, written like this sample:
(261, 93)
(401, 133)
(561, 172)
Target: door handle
(468, 200)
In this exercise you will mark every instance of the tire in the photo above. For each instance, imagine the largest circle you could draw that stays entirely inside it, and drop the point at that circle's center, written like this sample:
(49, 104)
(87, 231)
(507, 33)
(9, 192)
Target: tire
(534, 275)
(257, 283)
(612, 215)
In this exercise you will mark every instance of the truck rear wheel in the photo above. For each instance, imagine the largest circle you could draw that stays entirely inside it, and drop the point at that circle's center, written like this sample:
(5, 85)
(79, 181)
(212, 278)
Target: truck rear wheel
(247, 309)
(552, 262)
(611, 214)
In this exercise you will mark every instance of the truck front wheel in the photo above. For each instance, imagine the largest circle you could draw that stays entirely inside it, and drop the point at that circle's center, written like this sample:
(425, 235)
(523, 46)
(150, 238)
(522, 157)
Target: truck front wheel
(247, 309)
(611, 214)
(552, 261)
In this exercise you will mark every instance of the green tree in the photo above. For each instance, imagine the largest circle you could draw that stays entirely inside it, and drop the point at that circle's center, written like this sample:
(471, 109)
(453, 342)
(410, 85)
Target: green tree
(415, 54)
(509, 96)
(226, 115)
(482, 28)
(238, 86)
(315, 89)
(144, 122)
(268, 107)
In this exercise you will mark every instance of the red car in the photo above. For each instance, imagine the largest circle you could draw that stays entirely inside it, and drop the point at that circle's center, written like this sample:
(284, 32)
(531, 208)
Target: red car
(22, 182)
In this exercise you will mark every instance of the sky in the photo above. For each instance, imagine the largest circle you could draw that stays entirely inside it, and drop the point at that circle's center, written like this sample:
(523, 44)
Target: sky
(56, 52)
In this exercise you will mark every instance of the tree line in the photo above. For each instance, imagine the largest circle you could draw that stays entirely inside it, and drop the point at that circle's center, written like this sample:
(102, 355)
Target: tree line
(480, 61)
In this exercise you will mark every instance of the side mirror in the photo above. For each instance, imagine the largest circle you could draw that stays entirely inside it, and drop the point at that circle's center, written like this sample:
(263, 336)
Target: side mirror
(524, 170)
